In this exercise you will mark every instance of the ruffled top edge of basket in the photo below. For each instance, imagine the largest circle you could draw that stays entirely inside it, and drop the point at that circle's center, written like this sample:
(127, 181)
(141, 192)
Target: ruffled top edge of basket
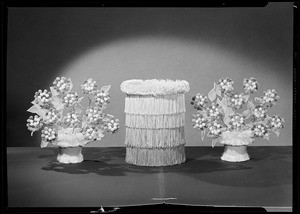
(154, 87)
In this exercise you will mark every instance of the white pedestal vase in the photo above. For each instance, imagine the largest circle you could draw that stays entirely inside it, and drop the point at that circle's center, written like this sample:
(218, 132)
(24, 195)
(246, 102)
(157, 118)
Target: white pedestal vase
(70, 154)
(155, 118)
(235, 153)
(70, 142)
(235, 144)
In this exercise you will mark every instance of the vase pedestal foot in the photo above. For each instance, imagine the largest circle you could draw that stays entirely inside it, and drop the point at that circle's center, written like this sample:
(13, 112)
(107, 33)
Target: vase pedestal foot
(69, 155)
(235, 154)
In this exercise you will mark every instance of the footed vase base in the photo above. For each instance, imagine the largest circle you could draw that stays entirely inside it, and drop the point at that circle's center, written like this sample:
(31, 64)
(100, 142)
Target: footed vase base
(70, 155)
(235, 154)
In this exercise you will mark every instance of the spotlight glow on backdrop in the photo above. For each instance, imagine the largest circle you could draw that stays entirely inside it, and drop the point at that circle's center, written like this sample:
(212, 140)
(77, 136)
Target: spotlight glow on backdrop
(174, 58)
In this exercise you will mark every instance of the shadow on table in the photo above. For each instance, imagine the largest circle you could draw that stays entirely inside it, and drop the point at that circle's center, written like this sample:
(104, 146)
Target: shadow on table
(260, 171)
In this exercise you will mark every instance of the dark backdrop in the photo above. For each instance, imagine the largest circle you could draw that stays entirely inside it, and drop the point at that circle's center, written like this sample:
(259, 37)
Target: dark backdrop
(111, 45)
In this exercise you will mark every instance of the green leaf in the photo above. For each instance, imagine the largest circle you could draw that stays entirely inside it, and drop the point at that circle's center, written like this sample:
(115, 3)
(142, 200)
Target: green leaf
(247, 113)
(212, 94)
(42, 112)
(80, 99)
(257, 99)
(277, 133)
(105, 89)
(100, 136)
(203, 134)
(71, 86)
(213, 142)
(44, 144)
(226, 120)
(267, 137)
(33, 109)
(53, 92)
(246, 97)
(84, 124)
(57, 103)
(224, 101)
(203, 113)
(218, 91)
(250, 105)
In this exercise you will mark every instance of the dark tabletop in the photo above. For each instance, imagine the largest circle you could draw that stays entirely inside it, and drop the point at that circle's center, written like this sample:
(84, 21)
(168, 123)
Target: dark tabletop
(36, 179)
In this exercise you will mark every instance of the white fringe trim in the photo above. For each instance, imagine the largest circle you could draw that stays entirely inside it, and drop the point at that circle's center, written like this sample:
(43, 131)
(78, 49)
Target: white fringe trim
(236, 138)
(154, 138)
(155, 121)
(169, 104)
(155, 157)
(154, 87)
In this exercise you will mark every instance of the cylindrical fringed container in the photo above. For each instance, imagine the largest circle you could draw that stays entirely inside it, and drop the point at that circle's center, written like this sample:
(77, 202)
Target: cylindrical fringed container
(155, 118)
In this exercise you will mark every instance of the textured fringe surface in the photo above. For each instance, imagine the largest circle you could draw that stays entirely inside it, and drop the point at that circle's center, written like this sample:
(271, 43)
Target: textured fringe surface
(169, 104)
(155, 121)
(154, 138)
(154, 87)
(155, 157)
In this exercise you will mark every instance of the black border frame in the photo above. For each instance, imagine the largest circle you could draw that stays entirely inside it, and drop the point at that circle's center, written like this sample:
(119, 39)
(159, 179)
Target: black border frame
(153, 208)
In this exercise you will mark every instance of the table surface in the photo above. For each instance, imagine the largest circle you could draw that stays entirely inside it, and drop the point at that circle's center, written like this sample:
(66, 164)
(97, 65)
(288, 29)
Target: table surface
(36, 179)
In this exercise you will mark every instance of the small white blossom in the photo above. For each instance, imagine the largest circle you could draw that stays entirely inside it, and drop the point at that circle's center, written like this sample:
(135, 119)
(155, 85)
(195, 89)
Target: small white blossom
(89, 86)
(70, 99)
(72, 119)
(94, 115)
(49, 134)
(225, 84)
(250, 85)
(62, 84)
(102, 99)
(34, 123)
(199, 101)
(51, 117)
(43, 98)
(199, 122)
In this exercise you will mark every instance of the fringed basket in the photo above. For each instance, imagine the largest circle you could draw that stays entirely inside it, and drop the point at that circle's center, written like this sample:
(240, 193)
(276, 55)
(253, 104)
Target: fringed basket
(155, 118)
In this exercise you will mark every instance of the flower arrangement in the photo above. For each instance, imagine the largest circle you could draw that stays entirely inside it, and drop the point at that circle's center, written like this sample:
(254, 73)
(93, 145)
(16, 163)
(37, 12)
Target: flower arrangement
(233, 118)
(63, 120)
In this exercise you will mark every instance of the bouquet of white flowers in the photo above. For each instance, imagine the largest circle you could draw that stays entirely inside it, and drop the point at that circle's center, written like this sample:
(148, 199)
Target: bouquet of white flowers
(62, 119)
(233, 119)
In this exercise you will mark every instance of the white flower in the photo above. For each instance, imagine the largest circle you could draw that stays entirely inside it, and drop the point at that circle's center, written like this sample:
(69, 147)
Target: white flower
(225, 85)
(199, 122)
(276, 123)
(34, 123)
(70, 99)
(49, 134)
(51, 117)
(72, 119)
(260, 130)
(250, 85)
(89, 86)
(260, 112)
(112, 125)
(214, 111)
(62, 84)
(236, 121)
(101, 98)
(199, 101)
(94, 115)
(43, 98)
(215, 129)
